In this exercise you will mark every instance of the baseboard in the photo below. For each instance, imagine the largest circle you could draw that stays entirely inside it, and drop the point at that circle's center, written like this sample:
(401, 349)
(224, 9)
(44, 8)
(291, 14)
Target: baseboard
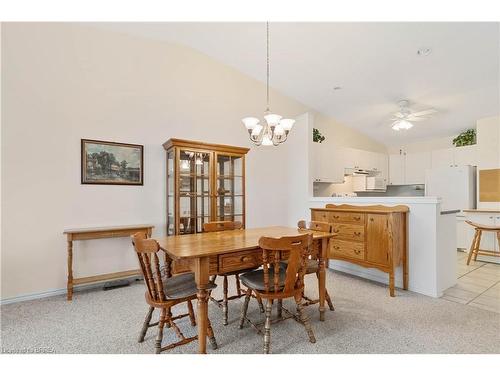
(53, 292)
(364, 273)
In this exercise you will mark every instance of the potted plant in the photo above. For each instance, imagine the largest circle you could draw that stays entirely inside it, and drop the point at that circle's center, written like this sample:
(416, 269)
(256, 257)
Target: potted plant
(466, 138)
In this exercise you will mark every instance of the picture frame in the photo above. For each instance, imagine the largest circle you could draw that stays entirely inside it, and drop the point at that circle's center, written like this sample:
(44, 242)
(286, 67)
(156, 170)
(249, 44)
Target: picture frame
(111, 163)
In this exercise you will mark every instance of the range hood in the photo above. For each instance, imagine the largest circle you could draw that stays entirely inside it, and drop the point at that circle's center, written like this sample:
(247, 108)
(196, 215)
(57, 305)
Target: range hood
(360, 172)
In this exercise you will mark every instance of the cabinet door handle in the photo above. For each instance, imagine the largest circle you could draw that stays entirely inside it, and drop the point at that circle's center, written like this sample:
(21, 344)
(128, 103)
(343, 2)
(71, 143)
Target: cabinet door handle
(336, 247)
(357, 218)
(357, 251)
(357, 233)
(371, 219)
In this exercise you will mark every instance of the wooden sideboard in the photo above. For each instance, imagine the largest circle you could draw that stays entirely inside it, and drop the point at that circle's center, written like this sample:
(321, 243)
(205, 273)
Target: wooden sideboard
(369, 236)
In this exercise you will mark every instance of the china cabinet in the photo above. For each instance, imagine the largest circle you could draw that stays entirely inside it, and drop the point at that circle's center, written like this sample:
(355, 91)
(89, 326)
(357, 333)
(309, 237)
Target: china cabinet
(205, 182)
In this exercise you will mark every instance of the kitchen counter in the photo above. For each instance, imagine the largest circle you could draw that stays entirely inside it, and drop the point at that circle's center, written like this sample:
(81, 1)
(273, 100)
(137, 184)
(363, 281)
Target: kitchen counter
(431, 243)
(485, 211)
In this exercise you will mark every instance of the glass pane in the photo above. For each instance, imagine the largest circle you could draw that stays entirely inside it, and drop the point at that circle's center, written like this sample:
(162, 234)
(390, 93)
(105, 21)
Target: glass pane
(187, 225)
(230, 185)
(238, 165)
(170, 225)
(203, 205)
(229, 206)
(170, 173)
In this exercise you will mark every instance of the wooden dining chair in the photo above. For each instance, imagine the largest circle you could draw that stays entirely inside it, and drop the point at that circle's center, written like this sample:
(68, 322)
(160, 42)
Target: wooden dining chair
(312, 264)
(275, 282)
(217, 226)
(476, 241)
(163, 291)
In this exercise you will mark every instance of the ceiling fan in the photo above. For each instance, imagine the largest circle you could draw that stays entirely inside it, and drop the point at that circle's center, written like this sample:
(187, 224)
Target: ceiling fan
(404, 118)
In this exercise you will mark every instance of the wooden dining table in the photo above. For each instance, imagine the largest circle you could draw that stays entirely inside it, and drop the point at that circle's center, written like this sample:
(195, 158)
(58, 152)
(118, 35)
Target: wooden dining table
(213, 253)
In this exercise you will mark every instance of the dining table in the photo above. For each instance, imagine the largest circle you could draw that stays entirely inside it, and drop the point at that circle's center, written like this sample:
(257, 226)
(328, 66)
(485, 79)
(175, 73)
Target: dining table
(213, 253)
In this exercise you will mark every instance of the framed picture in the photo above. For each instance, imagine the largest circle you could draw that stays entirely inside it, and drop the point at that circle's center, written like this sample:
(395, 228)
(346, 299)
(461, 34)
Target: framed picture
(111, 163)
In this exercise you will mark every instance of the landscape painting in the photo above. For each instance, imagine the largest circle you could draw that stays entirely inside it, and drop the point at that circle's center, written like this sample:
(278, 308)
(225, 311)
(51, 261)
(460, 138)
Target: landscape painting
(111, 163)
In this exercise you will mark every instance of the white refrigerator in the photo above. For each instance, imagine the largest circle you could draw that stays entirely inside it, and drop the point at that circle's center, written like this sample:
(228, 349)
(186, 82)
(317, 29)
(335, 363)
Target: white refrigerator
(456, 186)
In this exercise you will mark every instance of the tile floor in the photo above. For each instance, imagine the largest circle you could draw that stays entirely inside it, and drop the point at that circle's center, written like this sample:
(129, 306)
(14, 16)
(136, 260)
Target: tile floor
(478, 284)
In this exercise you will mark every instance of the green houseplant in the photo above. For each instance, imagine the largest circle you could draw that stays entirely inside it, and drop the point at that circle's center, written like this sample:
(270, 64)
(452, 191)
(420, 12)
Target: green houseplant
(466, 138)
(317, 136)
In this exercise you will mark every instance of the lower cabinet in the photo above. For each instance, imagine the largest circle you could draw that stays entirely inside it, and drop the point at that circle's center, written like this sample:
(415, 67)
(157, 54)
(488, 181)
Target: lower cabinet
(369, 236)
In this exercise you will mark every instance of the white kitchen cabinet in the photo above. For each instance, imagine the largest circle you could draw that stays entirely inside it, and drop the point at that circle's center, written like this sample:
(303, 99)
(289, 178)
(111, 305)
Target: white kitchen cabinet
(442, 158)
(464, 233)
(465, 155)
(408, 168)
(488, 239)
(382, 165)
(396, 169)
(415, 165)
(455, 156)
(327, 163)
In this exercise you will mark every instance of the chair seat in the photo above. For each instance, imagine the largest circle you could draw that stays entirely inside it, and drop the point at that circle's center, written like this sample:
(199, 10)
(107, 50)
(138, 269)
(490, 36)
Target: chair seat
(312, 265)
(255, 279)
(182, 286)
(484, 226)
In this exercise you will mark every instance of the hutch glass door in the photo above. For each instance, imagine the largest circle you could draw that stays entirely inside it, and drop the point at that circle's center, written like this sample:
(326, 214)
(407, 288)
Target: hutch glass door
(194, 190)
(229, 194)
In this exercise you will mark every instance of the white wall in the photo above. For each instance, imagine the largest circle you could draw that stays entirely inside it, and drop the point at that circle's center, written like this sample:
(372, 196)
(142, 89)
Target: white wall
(64, 82)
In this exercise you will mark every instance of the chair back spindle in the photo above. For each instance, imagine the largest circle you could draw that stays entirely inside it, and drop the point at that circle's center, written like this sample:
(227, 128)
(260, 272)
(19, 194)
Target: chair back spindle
(147, 253)
(297, 249)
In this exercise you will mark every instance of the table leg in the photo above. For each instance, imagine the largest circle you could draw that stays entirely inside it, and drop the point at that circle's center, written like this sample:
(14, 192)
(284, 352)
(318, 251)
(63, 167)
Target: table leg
(405, 253)
(70, 271)
(321, 274)
(202, 281)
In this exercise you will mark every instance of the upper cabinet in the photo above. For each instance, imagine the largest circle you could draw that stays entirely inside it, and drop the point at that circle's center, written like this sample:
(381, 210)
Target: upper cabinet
(454, 156)
(408, 168)
(330, 162)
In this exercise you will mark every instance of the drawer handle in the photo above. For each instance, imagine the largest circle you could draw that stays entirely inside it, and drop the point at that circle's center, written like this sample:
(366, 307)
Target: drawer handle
(357, 233)
(246, 258)
(336, 230)
(336, 247)
(357, 252)
(335, 216)
(371, 219)
(357, 218)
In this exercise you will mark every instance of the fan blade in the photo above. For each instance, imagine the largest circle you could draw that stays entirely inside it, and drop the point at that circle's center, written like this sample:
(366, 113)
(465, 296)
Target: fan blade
(399, 115)
(412, 119)
(425, 112)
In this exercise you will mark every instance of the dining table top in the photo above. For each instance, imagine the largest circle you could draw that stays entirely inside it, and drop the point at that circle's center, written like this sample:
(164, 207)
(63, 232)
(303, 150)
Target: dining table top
(215, 243)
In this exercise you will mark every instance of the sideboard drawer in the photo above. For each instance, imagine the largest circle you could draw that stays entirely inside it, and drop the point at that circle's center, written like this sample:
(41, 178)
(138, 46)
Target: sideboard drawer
(318, 215)
(347, 249)
(351, 232)
(347, 217)
(240, 260)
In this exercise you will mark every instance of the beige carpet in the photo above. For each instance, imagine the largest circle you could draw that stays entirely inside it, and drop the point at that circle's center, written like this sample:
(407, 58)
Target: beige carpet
(366, 320)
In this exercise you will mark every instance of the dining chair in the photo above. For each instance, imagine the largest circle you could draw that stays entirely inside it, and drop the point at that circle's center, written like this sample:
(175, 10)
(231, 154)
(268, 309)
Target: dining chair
(164, 291)
(476, 241)
(275, 282)
(218, 226)
(312, 264)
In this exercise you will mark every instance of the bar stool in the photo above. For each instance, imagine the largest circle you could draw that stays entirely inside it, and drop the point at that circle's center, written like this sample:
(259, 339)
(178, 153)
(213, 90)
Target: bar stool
(476, 241)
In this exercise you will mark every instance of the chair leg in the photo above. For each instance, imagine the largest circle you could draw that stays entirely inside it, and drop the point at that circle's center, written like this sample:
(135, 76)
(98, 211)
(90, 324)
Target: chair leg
(238, 285)
(304, 319)
(329, 301)
(280, 308)
(224, 301)
(472, 247)
(478, 245)
(145, 325)
(191, 313)
(168, 317)
(161, 324)
(210, 334)
(267, 327)
(261, 305)
(245, 307)
(212, 281)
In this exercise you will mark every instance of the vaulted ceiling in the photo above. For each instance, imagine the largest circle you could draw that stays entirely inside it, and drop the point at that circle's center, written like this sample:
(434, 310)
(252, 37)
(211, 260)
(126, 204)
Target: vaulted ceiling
(375, 64)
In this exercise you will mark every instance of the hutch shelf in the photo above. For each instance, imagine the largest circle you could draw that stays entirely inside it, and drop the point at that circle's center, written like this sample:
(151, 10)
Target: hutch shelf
(205, 182)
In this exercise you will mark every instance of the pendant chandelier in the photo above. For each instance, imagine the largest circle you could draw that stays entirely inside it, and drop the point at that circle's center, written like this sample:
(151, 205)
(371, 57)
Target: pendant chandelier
(275, 130)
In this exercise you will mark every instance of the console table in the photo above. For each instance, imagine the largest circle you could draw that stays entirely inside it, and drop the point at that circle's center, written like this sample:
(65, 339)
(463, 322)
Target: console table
(80, 234)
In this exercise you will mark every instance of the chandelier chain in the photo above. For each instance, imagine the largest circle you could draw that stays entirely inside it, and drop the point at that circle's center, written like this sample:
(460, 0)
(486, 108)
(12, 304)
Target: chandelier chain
(267, 65)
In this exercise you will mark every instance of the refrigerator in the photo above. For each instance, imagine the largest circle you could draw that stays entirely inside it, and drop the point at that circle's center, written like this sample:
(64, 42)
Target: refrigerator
(456, 186)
